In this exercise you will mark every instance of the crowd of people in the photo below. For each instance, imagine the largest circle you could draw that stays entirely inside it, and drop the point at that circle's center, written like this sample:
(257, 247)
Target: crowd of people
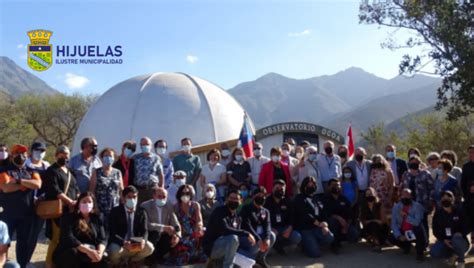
(142, 207)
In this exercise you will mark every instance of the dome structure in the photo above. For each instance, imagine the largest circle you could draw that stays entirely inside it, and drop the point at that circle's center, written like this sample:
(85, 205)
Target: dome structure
(168, 106)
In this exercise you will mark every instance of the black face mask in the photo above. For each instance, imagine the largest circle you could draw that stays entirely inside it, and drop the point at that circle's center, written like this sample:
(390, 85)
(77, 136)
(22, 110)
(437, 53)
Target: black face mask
(94, 150)
(232, 205)
(279, 194)
(310, 190)
(19, 160)
(370, 199)
(342, 154)
(414, 166)
(335, 190)
(259, 200)
(62, 161)
(406, 201)
(446, 203)
(377, 165)
(328, 150)
(359, 157)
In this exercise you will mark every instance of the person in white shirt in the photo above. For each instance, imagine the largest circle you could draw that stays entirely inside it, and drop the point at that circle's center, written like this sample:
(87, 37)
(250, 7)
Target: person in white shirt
(310, 169)
(329, 164)
(179, 179)
(361, 168)
(225, 154)
(256, 162)
(214, 173)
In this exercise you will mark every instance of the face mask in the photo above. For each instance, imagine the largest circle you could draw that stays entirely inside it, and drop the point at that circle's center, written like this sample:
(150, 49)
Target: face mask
(38, 155)
(186, 148)
(146, 149)
(160, 202)
(359, 157)
(239, 157)
(276, 158)
(160, 150)
(439, 172)
(286, 153)
(413, 166)
(259, 200)
(412, 155)
(128, 153)
(86, 208)
(328, 150)
(19, 160)
(257, 152)
(390, 155)
(210, 194)
(107, 160)
(94, 151)
(335, 190)
(3, 155)
(244, 193)
(62, 161)
(299, 155)
(406, 201)
(310, 190)
(232, 205)
(446, 203)
(131, 203)
(279, 194)
(180, 183)
(347, 175)
(312, 157)
(225, 153)
(377, 165)
(185, 198)
(342, 154)
(370, 199)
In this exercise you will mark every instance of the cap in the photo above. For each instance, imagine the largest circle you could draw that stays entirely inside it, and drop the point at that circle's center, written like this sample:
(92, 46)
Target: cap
(279, 181)
(19, 149)
(62, 149)
(179, 173)
(38, 146)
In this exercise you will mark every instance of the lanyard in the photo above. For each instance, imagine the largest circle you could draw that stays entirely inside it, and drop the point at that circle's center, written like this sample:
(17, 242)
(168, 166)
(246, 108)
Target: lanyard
(329, 163)
(361, 169)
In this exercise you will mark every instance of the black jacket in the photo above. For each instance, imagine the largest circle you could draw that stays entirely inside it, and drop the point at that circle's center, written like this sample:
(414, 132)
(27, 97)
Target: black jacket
(339, 206)
(467, 176)
(71, 237)
(221, 223)
(131, 171)
(253, 219)
(281, 214)
(307, 210)
(456, 221)
(118, 224)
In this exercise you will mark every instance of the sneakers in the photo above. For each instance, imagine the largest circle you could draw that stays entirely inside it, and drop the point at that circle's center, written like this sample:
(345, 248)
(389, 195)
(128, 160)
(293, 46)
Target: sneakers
(451, 261)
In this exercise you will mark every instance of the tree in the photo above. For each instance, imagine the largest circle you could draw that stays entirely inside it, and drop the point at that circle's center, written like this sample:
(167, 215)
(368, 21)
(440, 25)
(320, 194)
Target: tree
(13, 128)
(447, 28)
(376, 138)
(55, 118)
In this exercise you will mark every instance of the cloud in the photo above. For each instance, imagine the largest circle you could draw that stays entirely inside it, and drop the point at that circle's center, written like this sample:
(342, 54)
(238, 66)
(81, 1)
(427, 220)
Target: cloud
(74, 81)
(20, 46)
(298, 34)
(192, 59)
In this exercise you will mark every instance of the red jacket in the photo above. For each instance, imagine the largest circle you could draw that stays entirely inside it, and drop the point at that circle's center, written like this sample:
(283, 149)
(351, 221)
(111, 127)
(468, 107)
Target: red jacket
(266, 177)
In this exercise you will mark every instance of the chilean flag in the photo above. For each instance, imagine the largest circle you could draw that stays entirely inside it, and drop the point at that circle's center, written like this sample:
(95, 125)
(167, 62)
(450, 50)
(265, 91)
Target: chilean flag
(350, 141)
(246, 138)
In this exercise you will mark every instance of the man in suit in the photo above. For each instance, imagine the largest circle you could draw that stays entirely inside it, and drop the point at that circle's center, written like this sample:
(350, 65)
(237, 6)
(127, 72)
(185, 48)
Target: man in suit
(128, 224)
(398, 165)
(361, 169)
(163, 225)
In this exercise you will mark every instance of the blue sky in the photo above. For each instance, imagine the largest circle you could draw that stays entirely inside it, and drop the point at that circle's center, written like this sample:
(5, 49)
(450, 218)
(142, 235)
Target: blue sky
(226, 42)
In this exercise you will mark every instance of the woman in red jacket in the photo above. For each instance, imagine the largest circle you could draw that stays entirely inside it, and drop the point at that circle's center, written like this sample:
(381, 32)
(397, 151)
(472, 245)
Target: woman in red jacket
(275, 170)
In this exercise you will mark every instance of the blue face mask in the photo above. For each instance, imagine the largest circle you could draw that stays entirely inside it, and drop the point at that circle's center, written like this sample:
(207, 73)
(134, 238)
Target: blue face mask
(131, 203)
(391, 155)
(128, 153)
(312, 157)
(146, 149)
(244, 193)
(107, 160)
(239, 157)
(160, 202)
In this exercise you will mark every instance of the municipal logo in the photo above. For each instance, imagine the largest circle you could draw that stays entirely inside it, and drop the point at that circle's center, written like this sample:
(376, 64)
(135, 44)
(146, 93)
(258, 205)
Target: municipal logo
(40, 52)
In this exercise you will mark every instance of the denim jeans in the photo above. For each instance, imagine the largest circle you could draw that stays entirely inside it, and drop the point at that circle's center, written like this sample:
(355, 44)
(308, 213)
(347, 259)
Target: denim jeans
(313, 239)
(253, 252)
(420, 242)
(225, 248)
(460, 248)
(336, 228)
(293, 239)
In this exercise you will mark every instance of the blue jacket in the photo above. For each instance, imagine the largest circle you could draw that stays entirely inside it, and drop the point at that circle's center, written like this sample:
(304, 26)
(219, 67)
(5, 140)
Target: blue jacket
(415, 215)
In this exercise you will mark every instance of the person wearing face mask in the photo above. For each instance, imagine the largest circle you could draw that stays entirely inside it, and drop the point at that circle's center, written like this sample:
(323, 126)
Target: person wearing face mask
(256, 220)
(256, 162)
(361, 168)
(188, 251)
(4, 160)
(125, 163)
(450, 227)
(106, 184)
(214, 173)
(398, 165)
(128, 231)
(17, 185)
(148, 170)
(342, 152)
(445, 182)
(161, 147)
(188, 162)
(163, 226)
(292, 144)
(292, 162)
(226, 154)
(340, 215)
(299, 154)
(456, 172)
(374, 220)
(350, 190)
(238, 171)
(179, 179)
(83, 236)
(208, 202)
(59, 183)
(406, 225)
(422, 187)
(282, 218)
(83, 164)
(275, 170)
(311, 169)
(245, 192)
(329, 164)
(412, 152)
(224, 231)
(381, 179)
(432, 159)
(310, 219)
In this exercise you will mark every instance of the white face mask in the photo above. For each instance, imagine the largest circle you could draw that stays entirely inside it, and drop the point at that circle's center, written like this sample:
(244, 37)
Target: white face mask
(185, 198)
(187, 148)
(3, 155)
(180, 182)
(257, 152)
(276, 158)
(160, 150)
(286, 153)
(225, 153)
(210, 194)
(38, 155)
